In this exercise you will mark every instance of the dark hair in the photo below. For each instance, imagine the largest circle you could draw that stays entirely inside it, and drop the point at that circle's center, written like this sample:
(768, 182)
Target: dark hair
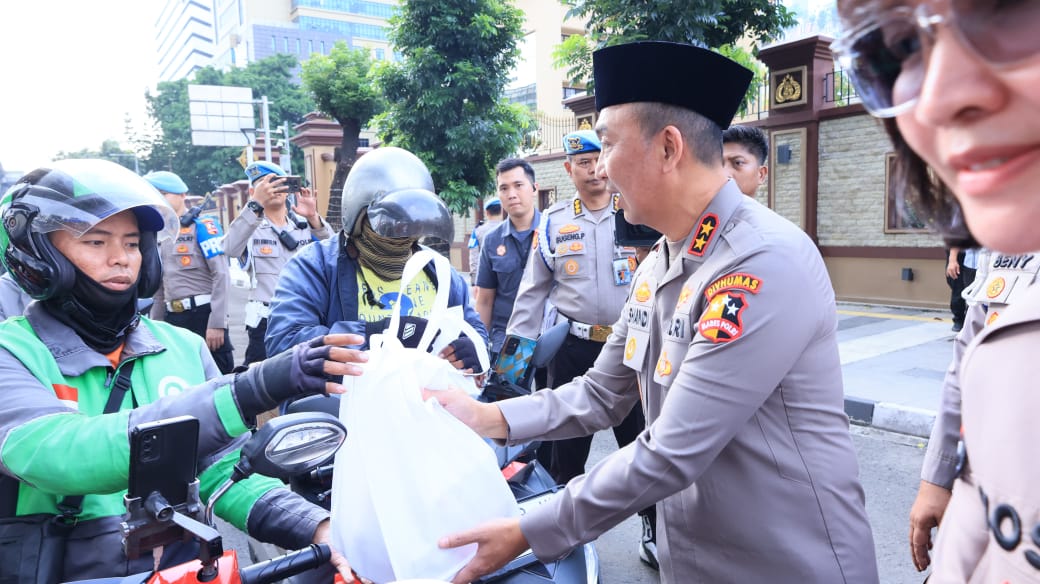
(703, 135)
(930, 197)
(750, 137)
(507, 164)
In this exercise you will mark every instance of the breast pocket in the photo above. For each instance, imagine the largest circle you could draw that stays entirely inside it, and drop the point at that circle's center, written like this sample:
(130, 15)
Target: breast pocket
(576, 266)
(505, 264)
(267, 257)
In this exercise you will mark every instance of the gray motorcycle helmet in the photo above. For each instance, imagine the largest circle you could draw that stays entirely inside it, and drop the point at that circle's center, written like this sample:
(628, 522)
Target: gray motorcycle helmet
(395, 190)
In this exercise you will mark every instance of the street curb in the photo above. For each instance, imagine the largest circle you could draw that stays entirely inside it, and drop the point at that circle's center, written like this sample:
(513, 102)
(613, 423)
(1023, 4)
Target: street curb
(890, 417)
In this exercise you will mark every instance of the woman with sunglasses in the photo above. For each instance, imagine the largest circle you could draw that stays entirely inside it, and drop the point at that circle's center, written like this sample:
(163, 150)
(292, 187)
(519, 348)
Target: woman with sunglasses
(958, 85)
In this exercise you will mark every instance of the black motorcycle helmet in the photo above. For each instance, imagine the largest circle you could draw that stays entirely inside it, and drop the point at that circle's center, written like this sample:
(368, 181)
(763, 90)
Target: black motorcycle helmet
(395, 191)
(76, 195)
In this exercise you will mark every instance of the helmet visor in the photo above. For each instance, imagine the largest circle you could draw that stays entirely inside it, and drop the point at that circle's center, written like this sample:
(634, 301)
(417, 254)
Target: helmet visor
(411, 213)
(78, 194)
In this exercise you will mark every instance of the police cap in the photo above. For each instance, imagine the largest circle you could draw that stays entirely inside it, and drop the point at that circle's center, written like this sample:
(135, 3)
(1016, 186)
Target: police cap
(580, 142)
(260, 168)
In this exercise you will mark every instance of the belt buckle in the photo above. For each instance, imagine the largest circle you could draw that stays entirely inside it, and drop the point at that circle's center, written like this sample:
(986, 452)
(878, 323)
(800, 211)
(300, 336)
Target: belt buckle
(599, 333)
(177, 306)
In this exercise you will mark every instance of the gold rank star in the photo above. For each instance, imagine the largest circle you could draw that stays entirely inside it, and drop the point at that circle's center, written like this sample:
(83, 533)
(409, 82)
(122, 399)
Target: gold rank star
(699, 243)
(707, 227)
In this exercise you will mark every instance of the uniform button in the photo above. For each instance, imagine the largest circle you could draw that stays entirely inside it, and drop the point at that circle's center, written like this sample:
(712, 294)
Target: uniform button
(729, 227)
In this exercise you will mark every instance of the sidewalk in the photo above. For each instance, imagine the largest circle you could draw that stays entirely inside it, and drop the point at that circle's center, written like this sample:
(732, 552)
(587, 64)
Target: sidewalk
(893, 363)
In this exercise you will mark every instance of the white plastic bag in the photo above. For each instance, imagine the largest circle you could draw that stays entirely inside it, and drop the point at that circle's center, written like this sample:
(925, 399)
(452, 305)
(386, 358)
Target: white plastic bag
(410, 472)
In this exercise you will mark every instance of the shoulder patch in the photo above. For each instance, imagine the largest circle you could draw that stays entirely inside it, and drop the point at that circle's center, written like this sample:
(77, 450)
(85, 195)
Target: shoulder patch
(735, 281)
(723, 321)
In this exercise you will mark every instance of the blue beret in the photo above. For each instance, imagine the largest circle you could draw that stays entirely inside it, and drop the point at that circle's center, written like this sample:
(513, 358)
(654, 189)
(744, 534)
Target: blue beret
(581, 142)
(167, 182)
(646, 71)
(262, 167)
(492, 202)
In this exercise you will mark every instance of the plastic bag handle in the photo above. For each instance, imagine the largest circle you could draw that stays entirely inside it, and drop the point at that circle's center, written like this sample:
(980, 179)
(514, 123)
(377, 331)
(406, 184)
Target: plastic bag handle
(412, 269)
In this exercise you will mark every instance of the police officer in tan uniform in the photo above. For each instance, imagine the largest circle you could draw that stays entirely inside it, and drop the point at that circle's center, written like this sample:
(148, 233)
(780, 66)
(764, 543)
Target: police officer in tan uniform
(194, 292)
(1013, 531)
(728, 339)
(576, 260)
(267, 234)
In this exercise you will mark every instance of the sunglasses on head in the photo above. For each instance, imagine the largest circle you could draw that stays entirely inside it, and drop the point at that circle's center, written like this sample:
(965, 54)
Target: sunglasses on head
(886, 57)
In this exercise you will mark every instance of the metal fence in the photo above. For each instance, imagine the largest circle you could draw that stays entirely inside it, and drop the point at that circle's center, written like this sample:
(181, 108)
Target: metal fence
(838, 89)
(547, 132)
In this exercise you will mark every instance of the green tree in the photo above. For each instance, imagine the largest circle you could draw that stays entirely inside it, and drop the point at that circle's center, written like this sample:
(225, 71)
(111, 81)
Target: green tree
(343, 85)
(202, 167)
(707, 23)
(445, 99)
(110, 150)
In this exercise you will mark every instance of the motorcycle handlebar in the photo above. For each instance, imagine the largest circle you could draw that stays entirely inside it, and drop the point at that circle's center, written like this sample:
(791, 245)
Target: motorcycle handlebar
(290, 564)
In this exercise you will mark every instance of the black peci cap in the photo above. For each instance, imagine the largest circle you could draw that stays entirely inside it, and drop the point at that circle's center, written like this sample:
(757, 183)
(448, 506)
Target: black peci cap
(674, 73)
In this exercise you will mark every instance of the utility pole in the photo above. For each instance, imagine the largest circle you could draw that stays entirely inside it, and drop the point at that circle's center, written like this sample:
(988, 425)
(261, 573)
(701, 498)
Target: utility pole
(286, 159)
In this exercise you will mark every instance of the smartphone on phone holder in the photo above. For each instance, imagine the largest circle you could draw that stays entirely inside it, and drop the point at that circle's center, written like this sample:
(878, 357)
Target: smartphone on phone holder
(163, 492)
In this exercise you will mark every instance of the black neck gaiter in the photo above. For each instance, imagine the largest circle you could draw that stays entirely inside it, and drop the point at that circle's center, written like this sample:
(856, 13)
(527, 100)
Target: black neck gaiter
(101, 317)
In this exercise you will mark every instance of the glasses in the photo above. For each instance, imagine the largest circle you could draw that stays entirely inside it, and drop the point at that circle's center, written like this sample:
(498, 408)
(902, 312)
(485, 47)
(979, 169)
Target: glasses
(887, 58)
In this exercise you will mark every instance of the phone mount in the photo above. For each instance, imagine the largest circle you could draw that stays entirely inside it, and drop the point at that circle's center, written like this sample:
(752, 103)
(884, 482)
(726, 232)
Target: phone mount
(152, 522)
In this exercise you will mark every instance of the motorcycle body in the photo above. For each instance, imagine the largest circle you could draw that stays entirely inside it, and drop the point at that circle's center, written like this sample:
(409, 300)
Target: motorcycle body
(529, 481)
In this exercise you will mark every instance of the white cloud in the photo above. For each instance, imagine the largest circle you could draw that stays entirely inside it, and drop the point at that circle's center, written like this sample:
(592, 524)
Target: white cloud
(72, 71)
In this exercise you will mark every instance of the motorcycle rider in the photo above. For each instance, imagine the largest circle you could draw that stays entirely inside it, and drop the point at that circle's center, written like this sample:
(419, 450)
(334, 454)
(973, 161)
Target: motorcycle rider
(349, 282)
(81, 238)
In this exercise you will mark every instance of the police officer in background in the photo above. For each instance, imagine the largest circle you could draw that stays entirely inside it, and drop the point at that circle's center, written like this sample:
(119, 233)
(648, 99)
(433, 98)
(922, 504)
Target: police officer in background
(745, 150)
(505, 248)
(728, 339)
(194, 292)
(582, 271)
(493, 216)
(267, 233)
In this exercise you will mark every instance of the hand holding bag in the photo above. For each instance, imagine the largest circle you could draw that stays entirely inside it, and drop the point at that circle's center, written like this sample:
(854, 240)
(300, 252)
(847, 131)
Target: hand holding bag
(410, 472)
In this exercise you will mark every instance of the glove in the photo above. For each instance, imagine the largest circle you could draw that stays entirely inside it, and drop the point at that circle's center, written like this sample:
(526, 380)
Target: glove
(296, 372)
(411, 330)
(466, 352)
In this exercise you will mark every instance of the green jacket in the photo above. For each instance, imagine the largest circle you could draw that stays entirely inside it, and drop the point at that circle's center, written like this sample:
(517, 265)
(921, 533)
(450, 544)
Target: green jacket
(56, 442)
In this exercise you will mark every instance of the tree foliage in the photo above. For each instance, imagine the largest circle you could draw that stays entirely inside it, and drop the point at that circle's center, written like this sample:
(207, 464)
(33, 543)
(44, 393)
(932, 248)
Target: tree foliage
(445, 98)
(203, 167)
(343, 85)
(707, 23)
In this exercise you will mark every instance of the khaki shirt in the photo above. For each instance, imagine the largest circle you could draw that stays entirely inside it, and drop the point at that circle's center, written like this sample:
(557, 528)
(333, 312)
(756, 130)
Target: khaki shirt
(267, 255)
(572, 266)
(747, 451)
(978, 541)
(187, 272)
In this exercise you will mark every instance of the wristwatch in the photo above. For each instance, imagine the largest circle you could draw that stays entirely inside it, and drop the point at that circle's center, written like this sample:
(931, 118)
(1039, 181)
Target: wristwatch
(256, 208)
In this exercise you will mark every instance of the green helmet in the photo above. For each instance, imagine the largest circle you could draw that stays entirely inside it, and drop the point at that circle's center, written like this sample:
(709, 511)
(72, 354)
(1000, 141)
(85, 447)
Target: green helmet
(76, 195)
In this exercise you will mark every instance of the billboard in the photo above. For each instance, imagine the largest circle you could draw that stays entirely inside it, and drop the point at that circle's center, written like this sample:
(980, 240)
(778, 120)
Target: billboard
(220, 114)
